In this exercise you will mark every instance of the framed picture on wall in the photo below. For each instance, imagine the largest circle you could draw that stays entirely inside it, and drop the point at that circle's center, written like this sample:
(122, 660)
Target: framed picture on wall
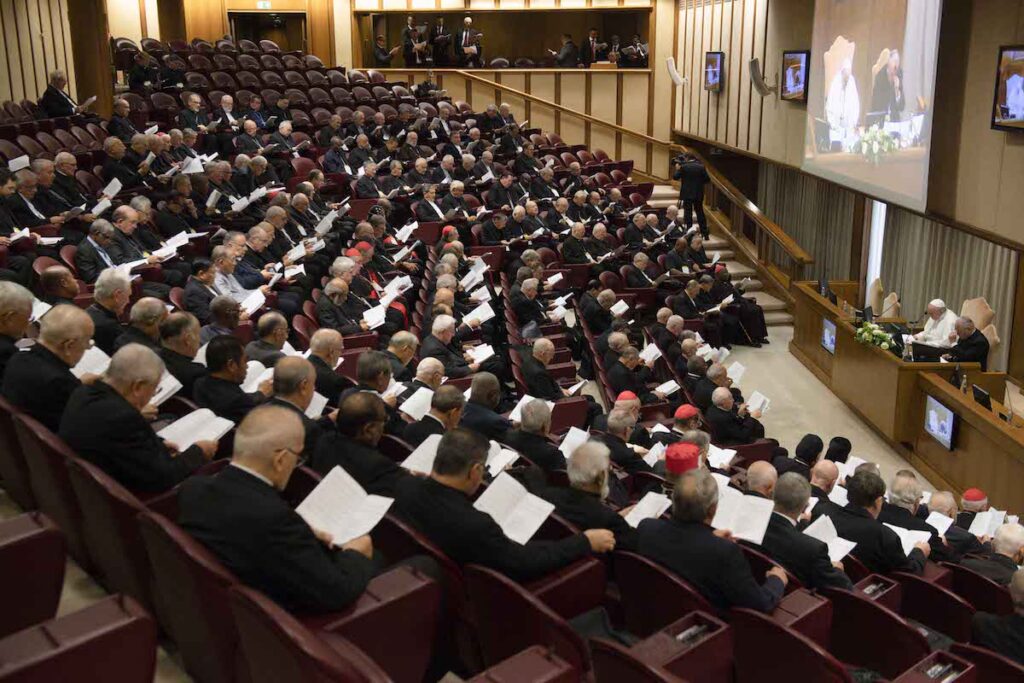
(795, 70)
(714, 71)
(1008, 104)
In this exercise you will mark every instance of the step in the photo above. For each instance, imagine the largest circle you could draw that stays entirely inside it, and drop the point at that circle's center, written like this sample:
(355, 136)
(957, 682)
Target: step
(777, 318)
(724, 255)
(739, 270)
(753, 285)
(716, 244)
(767, 302)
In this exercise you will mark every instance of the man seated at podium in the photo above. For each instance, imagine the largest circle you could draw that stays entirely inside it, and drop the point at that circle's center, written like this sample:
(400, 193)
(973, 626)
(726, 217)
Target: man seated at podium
(971, 345)
(939, 328)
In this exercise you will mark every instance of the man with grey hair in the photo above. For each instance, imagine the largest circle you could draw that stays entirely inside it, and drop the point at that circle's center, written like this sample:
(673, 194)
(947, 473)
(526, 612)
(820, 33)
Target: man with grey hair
(630, 373)
(224, 282)
(144, 324)
(1003, 634)
(440, 344)
(527, 309)
(272, 334)
(445, 412)
(401, 349)
(110, 297)
(240, 516)
(429, 373)
(294, 387)
(39, 381)
(55, 101)
(707, 559)
(900, 510)
(582, 502)
(761, 478)
(1006, 556)
(15, 312)
(104, 424)
(531, 438)
(732, 423)
(802, 555)
(179, 344)
(971, 345)
(325, 348)
(336, 312)
(599, 318)
(616, 437)
(716, 376)
(958, 537)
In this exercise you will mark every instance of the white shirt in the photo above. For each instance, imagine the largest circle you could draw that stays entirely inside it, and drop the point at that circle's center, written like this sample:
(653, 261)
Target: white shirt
(936, 332)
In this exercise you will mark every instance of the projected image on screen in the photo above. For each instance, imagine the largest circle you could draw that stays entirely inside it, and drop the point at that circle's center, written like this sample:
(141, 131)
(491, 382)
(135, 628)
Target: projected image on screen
(940, 422)
(1008, 111)
(794, 75)
(869, 109)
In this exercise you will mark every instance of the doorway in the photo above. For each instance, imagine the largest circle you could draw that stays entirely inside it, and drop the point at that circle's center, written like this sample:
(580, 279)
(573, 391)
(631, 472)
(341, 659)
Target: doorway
(287, 29)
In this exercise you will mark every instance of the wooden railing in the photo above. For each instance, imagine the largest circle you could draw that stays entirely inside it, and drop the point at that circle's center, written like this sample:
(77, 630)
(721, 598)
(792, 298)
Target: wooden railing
(759, 237)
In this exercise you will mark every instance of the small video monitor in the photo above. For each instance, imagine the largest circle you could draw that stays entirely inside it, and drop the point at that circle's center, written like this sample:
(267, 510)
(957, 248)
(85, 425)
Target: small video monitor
(794, 75)
(714, 74)
(981, 397)
(828, 335)
(940, 422)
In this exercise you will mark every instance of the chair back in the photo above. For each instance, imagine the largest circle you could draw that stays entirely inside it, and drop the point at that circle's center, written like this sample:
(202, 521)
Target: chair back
(13, 467)
(191, 599)
(982, 592)
(938, 608)
(990, 666)
(30, 540)
(652, 596)
(978, 310)
(278, 647)
(768, 652)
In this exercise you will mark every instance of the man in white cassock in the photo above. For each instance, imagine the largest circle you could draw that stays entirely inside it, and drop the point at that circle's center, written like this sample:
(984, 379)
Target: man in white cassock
(940, 328)
(842, 105)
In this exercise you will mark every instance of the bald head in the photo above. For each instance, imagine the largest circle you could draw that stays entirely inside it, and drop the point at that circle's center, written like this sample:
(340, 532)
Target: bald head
(291, 375)
(824, 475)
(268, 441)
(66, 330)
(325, 341)
(761, 478)
(485, 389)
(134, 372)
(430, 371)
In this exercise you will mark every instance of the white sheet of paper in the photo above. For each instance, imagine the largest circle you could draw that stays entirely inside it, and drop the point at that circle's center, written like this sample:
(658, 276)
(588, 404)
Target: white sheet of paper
(746, 516)
(18, 163)
(339, 506)
(324, 226)
(481, 353)
(575, 388)
(316, 406)
(417, 405)
(199, 425)
(201, 355)
(499, 458)
(254, 302)
(101, 206)
(169, 386)
(480, 295)
(659, 428)
(39, 309)
(668, 388)
(422, 459)
(838, 495)
(374, 317)
(558, 313)
(655, 453)
(939, 522)
(908, 537)
(736, 371)
(987, 523)
(256, 374)
(847, 468)
(719, 458)
(652, 505)
(572, 440)
(619, 308)
(554, 279)
(518, 512)
(112, 188)
(517, 413)
(481, 313)
(758, 401)
(825, 531)
(94, 360)
(650, 354)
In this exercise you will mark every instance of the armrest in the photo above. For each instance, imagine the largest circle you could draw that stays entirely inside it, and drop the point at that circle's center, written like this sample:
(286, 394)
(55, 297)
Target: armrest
(366, 340)
(31, 541)
(562, 371)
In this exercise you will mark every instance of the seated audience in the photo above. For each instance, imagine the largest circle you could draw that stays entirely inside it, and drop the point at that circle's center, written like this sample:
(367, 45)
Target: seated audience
(272, 330)
(221, 390)
(294, 387)
(445, 412)
(807, 453)
(15, 311)
(1006, 557)
(532, 437)
(1003, 634)
(179, 344)
(144, 324)
(110, 297)
(480, 413)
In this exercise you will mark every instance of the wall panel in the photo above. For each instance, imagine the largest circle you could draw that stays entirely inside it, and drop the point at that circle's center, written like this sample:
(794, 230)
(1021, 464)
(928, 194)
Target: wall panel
(573, 94)
(125, 19)
(35, 40)
(542, 85)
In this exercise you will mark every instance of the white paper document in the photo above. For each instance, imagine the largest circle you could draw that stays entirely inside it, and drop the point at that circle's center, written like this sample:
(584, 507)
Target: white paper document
(575, 388)
(340, 507)
(719, 458)
(199, 425)
(650, 354)
(406, 232)
(736, 371)
(422, 459)
(518, 512)
(169, 386)
(316, 406)
(939, 522)
(908, 537)
(39, 309)
(101, 206)
(517, 413)
(94, 361)
(481, 313)
(846, 469)
(838, 495)
(18, 163)
(256, 373)
(659, 428)
(758, 401)
(825, 531)
(652, 505)
(499, 458)
(374, 317)
(619, 308)
(481, 353)
(572, 440)
(668, 388)
(112, 188)
(201, 355)
(554, 279)
(254, 301)
(480, 295)
(417, 405)
(655, 453)
(746, 516)
(987, 523)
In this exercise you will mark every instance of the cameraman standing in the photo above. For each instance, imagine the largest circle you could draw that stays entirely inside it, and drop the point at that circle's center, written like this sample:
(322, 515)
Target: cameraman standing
(692, 177)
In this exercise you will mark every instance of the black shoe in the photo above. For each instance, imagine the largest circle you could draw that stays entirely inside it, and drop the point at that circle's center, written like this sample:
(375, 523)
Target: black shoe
(765, 341)
(755, 344)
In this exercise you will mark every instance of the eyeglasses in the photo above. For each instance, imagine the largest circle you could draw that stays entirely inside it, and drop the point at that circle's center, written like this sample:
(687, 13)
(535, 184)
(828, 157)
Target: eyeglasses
(300, 459)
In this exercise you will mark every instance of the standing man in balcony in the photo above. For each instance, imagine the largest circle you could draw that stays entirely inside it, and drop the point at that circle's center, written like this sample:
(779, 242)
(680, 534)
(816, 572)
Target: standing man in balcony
(692, 177)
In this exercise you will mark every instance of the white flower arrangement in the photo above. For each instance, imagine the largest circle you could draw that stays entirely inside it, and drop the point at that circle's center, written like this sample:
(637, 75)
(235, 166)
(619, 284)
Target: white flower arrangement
(873, 335)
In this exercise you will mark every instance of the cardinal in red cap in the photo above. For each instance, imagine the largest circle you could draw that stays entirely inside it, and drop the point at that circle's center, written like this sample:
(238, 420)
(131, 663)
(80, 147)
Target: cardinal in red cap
(680, 458)
(687, 417)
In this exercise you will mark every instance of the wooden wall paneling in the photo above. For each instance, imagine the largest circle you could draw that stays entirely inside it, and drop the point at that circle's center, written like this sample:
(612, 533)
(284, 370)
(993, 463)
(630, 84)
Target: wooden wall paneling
(704, 101)
(91, 50)
(456, 86)
(206, 19)
(604, 97)
(481, 96)
(1015, 360)
(11, 80)
(573, 93)
(725, 44)
(319, 28)
(515, 80)
(543, 85)
(1011, 199)
(663, 28)
(756, 101)
(634, 117)
(172, 20)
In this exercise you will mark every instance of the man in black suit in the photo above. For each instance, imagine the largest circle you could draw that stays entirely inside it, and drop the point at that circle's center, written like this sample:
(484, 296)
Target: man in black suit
(55, 102)
(592, 50)
(628, 375)
(240, 516)
(568, 55)
(582, 502)
(971, 345)
(539, 383)
(352, 445)
(120, 126)
(1006, 556)
(599, 317)
(878, 546)
(39, 381)
(294, 389)
(440, 507)
(15, 311)
(221, 389)
(824, 478)
(707, 559)
(445, 412)
(325, 347)
(901, 510)
(480, 412)
(440, 344)
(199, 291)
(805, 557)
(527, 307)
(179, 342)
(692, 177)
(807, 453)
(110, 297)
(960, 539)
(531, 439)
(144, 324)
(104, 424)
(619, 438)
(730, 423)
(1003, 634)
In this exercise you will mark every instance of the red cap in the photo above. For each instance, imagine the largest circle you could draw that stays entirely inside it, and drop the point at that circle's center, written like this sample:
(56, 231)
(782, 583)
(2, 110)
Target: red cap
(448, 229)
(686, 412)
(352, 253)
(363, 246)
(626, 396)
(974, 495)
(682, 457)
(719, 268)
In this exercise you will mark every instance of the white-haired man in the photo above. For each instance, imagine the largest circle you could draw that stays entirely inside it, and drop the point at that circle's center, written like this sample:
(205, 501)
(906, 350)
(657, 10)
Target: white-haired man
(939, 329)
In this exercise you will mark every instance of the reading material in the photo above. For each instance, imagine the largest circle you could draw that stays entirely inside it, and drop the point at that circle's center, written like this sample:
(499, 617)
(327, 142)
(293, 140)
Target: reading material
(572, 440)
(94, 361)
(825, 531)
(652, 505)
(169, 386)
(422, 459)
(909, 538)
(518, 512)
(517, 413)
(199, 425)
(417, 405)
(340, 507)
(746, 516)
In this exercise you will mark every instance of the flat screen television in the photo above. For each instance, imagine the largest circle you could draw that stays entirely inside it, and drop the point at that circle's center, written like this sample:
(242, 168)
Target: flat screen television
(714, 71)
(828, 335)
(795, 70)
(1008, 101)
(940, 422)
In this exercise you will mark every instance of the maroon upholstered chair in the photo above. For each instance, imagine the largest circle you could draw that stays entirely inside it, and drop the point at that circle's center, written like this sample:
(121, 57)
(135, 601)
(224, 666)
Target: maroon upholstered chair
(111, 530)
(111, 641)
(936, 607)
(47, 456)
(535, 664)
(13, 468)
(652, 596)
(32, 559)
(279, 648)
(614, 663)
(864, 633)
(990, 666)
(768, 652)
(984, 594)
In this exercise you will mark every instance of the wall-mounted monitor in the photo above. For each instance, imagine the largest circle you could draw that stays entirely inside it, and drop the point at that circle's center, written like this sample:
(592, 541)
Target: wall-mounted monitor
(1008, 105)
(714, 71)
(795, 67)
(828, 335)
(940, 422)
